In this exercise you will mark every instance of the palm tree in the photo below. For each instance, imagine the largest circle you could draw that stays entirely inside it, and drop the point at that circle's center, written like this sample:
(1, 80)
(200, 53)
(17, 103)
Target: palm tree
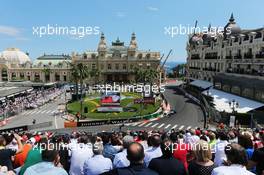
(47, 71)
(79, 74)
(95, 74)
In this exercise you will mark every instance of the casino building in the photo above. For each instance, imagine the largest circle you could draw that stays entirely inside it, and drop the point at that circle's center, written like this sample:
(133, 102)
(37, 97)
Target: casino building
(233, 61)
(116, 62)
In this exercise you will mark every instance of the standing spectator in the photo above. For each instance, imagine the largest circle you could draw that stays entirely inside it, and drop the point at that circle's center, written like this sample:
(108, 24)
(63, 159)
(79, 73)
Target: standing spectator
(135, 154)
(50, 165)
(6, 154)
(81, 152)
(236, 161)
(258, 158)
(154, 151)
(181, 151)
(220, 145)
(109, 150)
(202, 165)
(98, 164)
(120, 159)
(20, 158)
(167, 164)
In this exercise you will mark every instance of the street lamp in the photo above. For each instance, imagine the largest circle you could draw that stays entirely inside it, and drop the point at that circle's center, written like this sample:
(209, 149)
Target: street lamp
(233, 105)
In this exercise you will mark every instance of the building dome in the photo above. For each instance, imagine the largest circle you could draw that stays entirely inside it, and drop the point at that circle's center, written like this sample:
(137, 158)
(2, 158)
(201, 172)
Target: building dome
(232, 27)
(102, 44)
(195, 39)
(14, 56)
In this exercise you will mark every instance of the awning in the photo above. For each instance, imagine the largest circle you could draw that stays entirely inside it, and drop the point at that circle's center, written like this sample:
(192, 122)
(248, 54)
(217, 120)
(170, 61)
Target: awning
(222, 99)
(201, 84)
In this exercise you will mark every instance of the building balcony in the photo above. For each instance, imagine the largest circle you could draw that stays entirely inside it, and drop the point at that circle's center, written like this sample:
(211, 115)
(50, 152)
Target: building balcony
(238, 57)
(210, 69)
(195, 68)
(260, 55)
(248, 55)
(242, 71)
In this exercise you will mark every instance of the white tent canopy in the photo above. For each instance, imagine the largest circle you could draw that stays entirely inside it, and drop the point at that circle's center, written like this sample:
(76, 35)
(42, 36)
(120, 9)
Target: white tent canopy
(201, 84)
(222, 99)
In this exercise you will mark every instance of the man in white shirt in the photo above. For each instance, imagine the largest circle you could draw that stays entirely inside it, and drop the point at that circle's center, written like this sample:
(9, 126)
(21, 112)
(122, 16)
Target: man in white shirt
(120, 159)
(98, 164)
(236, 159)
(219, 149)
(79, 153)
(154, 151)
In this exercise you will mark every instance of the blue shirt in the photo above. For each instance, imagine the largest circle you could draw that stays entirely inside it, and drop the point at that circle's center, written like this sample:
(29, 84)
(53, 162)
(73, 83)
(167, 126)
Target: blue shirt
(45, 168)
(96, 165)
(109, 151)
(120, 159)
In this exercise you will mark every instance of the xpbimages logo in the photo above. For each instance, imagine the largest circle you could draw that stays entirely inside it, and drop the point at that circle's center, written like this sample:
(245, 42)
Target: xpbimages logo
(173, 31)
(74, 31)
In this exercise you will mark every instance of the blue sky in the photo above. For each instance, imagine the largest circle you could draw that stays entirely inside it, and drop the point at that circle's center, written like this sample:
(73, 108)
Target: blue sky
(117, 18)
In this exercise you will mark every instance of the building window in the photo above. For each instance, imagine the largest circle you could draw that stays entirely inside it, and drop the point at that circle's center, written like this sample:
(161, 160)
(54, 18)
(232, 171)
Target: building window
(102, 66)
(85, 56)
(124, 66)
(139, 56)
(131, 66)
(93, 66)
(22, 76)
(93, 56)
(109, 66)
(116, 66)
(148, 56)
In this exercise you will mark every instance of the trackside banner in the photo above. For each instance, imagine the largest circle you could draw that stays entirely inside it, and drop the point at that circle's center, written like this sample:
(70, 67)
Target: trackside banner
(105, 122)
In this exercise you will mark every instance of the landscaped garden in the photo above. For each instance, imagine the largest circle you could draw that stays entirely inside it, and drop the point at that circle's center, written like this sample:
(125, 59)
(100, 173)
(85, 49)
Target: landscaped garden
(127, 102)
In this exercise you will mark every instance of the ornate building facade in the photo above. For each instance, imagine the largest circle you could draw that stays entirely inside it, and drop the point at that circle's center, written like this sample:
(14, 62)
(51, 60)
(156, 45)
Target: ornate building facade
(233, 60)
(116, 62)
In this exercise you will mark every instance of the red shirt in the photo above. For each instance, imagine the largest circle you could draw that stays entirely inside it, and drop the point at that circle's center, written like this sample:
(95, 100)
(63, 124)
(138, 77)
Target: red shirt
(180, 152)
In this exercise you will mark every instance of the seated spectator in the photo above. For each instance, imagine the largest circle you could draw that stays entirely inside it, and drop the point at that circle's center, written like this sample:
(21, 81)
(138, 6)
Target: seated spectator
(135, 154)
(98, 163)
(167, 164)
(120, 159)
(34, 155)
(236, 161)
(258, 158)
(79, 153)
(219, 150)
(50, 165)
(6, 154)
(154, 151)
(109, 150)
(202, 165)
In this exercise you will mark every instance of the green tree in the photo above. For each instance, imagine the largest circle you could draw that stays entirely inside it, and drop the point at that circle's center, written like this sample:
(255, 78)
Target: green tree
(47, 71)
(79, 72)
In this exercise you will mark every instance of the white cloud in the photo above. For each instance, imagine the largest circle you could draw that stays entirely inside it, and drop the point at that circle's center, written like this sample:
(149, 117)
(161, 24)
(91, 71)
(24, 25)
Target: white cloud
(120, 14)
(150, 8)
(10, 31)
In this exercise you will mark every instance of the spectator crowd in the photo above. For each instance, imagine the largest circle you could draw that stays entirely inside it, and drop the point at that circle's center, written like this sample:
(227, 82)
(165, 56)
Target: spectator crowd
(176, 152)
(14, 105)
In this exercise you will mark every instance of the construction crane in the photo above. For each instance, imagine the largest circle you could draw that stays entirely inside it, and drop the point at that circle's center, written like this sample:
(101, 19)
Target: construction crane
(160, 68)
(166, 59)
(161, 57)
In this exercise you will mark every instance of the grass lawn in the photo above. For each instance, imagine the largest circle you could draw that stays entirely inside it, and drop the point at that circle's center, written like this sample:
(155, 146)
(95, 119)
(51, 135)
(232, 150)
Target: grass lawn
(92, 104)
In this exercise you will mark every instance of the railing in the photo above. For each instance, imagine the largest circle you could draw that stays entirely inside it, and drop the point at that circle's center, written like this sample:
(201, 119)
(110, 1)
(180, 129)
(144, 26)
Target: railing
(248, 55)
